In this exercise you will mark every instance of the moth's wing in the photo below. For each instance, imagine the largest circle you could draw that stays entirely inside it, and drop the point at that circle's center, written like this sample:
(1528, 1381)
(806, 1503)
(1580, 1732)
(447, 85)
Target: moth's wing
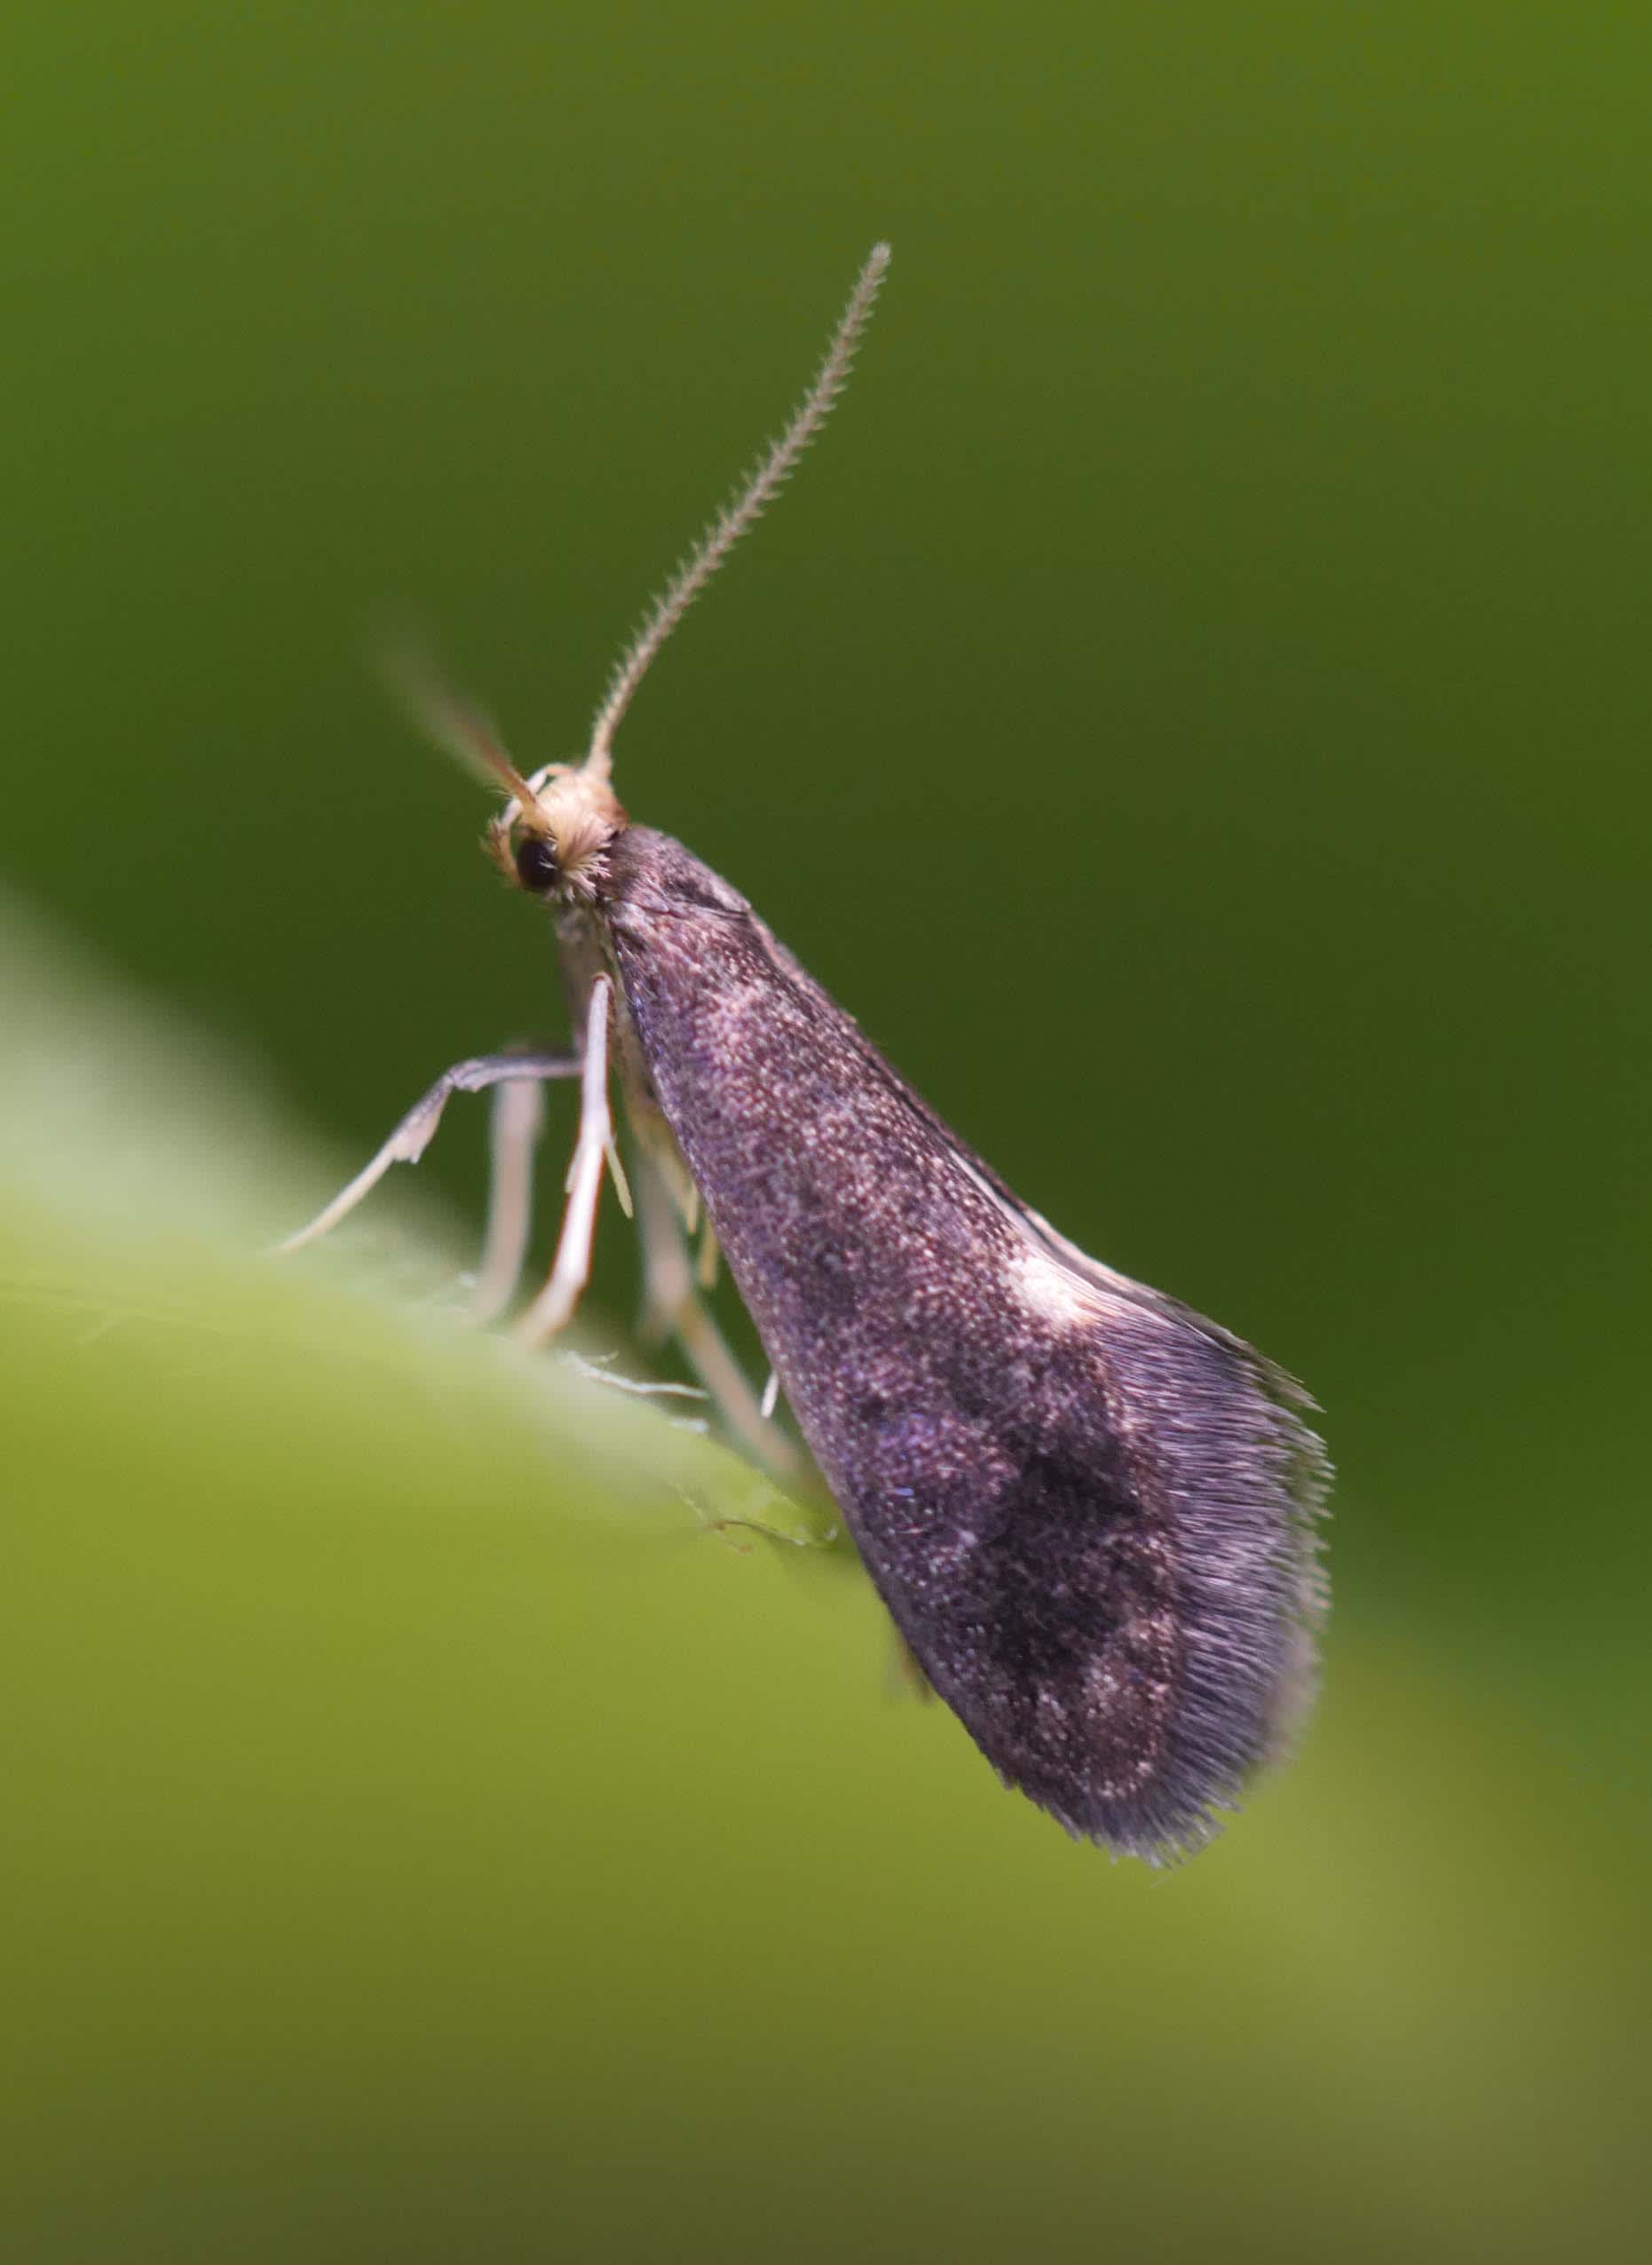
(1088, 1510)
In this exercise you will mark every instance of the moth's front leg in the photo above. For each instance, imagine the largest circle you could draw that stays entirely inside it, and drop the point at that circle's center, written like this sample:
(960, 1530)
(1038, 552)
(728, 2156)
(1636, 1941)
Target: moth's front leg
(520, 1074)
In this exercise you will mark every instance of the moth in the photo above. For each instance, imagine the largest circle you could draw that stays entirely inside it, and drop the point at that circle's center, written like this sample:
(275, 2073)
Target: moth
(1089, 1511)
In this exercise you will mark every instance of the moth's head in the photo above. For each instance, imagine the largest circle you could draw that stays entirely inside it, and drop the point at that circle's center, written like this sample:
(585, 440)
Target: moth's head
(553, 836)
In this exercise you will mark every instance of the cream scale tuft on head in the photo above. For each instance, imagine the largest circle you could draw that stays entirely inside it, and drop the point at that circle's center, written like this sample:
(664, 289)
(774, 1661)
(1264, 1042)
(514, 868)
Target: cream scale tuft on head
(553, 836)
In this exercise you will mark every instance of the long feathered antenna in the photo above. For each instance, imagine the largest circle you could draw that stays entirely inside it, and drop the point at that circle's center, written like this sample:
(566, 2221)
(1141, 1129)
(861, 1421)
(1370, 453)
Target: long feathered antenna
(736, 516)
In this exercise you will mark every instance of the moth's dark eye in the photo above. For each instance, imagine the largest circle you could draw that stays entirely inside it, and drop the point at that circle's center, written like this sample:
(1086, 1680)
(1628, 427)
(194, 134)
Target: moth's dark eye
(536, 864)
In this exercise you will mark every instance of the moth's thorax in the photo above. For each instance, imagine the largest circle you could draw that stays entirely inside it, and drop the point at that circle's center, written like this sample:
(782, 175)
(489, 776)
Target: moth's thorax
(649, 872)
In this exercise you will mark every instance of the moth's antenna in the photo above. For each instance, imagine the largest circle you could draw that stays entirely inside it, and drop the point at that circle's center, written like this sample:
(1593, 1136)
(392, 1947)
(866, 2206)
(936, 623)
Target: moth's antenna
(452, 723)
(736, 514)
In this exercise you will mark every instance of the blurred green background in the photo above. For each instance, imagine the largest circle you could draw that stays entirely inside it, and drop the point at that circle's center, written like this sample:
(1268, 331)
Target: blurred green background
(1193, 711)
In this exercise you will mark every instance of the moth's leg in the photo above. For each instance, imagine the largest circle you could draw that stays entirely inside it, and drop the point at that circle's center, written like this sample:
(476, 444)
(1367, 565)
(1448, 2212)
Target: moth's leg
(517, 1121)
(554, 1306)
(646, 1388)
(413, 1135)
(673, 1305)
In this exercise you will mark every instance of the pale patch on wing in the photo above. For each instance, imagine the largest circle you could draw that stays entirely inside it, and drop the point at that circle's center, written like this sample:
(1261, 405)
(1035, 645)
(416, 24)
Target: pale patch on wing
(1053, 1292)
(1057, 1279)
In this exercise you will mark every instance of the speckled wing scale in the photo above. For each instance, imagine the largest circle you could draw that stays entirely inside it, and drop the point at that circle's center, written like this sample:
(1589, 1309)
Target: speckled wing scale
(1088, 1510)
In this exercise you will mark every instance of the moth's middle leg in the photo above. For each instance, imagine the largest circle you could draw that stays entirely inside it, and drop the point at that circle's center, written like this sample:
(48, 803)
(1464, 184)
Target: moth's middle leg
(673, 1305)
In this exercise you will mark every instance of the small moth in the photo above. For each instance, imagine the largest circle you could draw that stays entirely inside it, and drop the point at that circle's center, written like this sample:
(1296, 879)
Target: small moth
(1088, 1510)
